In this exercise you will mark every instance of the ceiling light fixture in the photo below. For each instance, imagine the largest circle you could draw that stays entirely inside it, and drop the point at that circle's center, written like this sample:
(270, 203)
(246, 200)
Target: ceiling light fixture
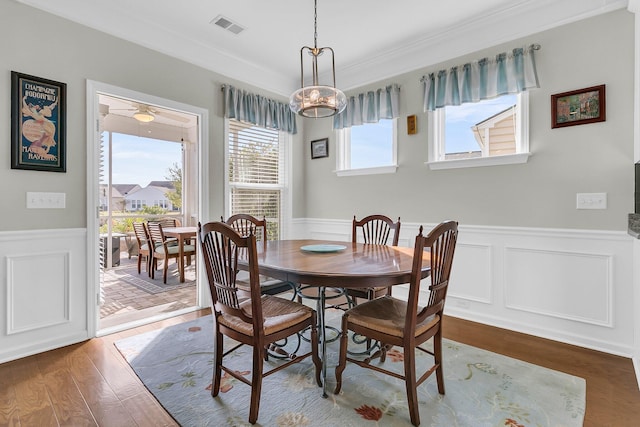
(317, 100)
(143, 115)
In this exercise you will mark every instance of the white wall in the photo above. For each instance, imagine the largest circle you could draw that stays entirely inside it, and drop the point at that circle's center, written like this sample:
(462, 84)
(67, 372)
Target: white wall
(43, 293)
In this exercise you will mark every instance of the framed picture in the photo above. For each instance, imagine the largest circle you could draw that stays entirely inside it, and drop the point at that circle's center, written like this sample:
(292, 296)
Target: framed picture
(578, 107)
(412, 128)
(320, 148)
(38, 120)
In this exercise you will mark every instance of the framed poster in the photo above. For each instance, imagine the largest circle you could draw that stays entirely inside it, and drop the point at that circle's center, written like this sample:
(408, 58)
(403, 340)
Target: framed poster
(38, 120)
(578, 107)
(320, 148)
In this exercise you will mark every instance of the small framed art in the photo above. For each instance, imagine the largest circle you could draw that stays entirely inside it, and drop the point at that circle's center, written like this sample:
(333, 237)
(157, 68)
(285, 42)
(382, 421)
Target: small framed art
(578, 107)
(38, 121)
(412, 127)
(320, 148)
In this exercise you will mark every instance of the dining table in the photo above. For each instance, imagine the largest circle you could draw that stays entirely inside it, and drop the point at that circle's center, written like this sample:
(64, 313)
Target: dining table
(330, 264)
(182, 234)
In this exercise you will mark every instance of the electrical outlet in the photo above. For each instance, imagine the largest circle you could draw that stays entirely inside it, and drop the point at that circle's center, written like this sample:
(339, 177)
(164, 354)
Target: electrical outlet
(591, 201)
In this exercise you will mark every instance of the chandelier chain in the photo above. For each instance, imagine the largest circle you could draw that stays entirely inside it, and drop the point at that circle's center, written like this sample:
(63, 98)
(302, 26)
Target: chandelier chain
(315, 23)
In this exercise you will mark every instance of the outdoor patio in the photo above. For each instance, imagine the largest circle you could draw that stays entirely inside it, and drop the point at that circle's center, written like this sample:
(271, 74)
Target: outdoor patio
(127, 296)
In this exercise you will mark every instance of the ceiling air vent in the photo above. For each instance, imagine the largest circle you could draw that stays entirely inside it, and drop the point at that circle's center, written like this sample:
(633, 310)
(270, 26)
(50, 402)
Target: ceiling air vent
(227, 24)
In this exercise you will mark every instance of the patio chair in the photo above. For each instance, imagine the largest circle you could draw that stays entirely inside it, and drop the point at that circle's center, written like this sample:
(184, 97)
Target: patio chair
(163, 251)
(144, 250)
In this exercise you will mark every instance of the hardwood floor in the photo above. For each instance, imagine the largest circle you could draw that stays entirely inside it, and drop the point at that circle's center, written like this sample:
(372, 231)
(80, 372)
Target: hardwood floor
(90, 383)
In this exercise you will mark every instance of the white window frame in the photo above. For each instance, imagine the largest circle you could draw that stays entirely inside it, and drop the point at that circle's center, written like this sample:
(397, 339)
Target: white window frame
(436, 138)
(343, 158)
(286, 210)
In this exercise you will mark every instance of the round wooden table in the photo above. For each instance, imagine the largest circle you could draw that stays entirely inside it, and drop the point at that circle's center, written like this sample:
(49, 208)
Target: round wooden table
(355, 265)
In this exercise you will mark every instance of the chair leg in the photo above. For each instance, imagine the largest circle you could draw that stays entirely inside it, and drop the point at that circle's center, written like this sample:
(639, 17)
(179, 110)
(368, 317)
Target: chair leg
(410, 384)
(217, 368)
(139, 263)
(315, 345)
(437, 354)
(165, 270)
(256, 383)
(342, 358)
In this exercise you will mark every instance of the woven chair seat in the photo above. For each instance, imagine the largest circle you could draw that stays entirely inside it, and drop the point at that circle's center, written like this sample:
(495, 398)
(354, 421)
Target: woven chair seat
(387, 315)
(278, 314)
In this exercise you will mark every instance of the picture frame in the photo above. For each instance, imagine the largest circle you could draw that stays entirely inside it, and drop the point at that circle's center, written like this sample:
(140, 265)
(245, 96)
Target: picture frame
(412, 127)
(38, 123)
(320, 148)
(578, 107)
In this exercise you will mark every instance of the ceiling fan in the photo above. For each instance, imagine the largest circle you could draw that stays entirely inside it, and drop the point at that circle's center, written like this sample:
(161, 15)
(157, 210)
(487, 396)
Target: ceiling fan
(145, 114)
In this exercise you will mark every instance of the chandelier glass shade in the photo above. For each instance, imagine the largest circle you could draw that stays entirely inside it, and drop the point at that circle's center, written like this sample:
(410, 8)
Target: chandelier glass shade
(316, 100)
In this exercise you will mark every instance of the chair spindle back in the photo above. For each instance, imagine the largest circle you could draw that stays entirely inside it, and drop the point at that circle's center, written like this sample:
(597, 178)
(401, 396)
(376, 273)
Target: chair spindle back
(376, 229)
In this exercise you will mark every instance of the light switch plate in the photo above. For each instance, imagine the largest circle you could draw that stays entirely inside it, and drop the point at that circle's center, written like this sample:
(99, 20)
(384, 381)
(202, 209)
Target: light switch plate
(591, 201)
(46, 200)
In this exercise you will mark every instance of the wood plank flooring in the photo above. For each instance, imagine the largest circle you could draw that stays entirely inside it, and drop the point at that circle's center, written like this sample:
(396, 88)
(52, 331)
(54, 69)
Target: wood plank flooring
(90, 384)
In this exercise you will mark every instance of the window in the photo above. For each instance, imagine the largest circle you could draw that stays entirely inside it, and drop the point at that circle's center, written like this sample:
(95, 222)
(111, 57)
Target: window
(136, 205)
(485, 133)
(256, 174)
(161, 204)
(368, 148)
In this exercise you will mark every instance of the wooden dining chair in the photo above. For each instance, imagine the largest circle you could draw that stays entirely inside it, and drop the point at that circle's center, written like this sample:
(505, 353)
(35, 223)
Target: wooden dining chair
(255, 320)
(395, 322)
(245, 225)
(373, 229)
(164, 251)
(144, 246)
(169, 222)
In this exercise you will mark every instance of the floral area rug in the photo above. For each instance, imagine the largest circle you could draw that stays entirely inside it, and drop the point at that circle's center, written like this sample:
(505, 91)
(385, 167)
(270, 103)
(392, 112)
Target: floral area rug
(482, 388)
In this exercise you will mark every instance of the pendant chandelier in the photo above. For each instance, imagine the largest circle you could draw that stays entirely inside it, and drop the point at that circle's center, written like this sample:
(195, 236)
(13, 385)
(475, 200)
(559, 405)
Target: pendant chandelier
(317, 100)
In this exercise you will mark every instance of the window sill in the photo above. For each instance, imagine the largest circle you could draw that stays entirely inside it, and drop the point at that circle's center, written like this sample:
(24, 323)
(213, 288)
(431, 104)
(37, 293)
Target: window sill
(367, 171)
(508, 159)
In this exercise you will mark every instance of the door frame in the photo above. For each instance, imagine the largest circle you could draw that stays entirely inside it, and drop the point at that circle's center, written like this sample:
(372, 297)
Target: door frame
(93, 165)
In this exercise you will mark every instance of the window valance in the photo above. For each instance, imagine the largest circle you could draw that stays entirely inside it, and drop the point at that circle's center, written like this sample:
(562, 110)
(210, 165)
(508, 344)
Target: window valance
(370, 107)
(509, 72)
(258, 110)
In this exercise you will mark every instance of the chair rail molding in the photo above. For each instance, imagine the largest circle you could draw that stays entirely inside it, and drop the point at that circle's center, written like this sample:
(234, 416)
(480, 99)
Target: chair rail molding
(568, 285)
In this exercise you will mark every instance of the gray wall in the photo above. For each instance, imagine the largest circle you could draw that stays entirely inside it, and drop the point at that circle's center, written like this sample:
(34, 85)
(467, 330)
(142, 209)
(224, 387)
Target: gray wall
(47, 46)
(588, 158)
(541, 193)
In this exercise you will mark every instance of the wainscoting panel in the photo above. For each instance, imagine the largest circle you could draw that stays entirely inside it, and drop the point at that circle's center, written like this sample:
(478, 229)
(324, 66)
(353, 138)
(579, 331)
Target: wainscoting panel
(574, 286)
(43, 290)
(472, 282)
(544, 281)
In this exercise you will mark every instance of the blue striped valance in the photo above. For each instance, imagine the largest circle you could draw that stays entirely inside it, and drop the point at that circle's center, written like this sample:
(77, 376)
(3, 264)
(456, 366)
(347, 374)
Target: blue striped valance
(483, 79)
(370, 107)
(258, 110)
